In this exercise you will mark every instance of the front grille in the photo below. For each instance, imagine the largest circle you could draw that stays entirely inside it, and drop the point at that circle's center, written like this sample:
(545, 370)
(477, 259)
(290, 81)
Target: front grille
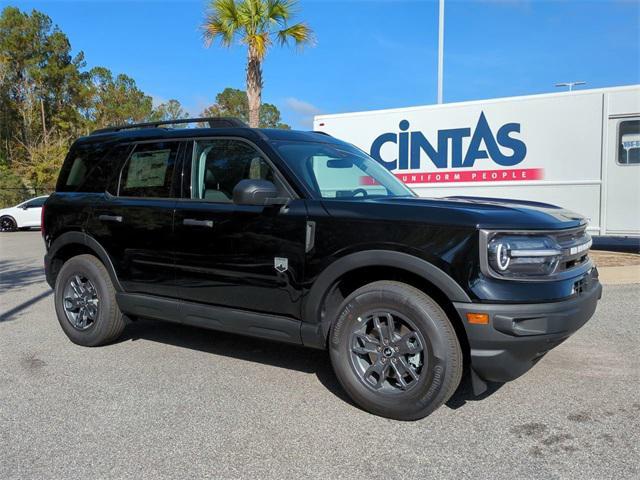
(575, 246)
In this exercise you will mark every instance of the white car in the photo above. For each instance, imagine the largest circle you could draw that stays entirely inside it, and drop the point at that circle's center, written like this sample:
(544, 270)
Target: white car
(24, 215)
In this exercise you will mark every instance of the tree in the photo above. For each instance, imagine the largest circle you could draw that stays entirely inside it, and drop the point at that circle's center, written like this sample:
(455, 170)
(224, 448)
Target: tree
(12, 189)
(41, 92)
(116, 101)
(36, 66)
(171, 110)
(257, 23)
(232, 102)
(47, 98)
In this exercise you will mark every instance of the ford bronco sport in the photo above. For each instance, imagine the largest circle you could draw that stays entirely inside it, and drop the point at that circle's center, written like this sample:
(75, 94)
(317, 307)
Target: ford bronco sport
(302, 238)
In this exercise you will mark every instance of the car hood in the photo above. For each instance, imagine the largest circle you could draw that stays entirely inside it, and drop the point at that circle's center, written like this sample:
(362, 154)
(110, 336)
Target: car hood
(478, 212)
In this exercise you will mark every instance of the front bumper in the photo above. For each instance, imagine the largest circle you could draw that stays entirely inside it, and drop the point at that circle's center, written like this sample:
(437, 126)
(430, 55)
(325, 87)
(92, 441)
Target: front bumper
(517, 336)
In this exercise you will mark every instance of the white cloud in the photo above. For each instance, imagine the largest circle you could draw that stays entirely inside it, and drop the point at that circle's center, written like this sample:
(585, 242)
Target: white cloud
(302, 111)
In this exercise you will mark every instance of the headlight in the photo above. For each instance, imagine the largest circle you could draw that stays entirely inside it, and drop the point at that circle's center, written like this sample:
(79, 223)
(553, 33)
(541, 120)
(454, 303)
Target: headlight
(523, 255)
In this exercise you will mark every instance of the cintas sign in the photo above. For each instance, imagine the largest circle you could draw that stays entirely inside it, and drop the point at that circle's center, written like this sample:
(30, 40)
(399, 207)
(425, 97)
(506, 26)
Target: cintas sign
(503, 148)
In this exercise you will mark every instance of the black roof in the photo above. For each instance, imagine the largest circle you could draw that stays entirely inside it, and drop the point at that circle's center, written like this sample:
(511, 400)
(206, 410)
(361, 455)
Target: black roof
(220, 127)
(254, 134)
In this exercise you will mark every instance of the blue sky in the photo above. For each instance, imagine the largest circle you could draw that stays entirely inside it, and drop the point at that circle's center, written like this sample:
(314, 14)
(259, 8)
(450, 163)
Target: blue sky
(369, 54)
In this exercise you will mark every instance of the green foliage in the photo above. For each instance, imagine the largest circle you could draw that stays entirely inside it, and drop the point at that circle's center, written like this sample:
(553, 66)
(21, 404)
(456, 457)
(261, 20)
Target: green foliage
(116, 101)
(171, 110)
(232, 102)
(48, 98)
(258, 23)
(12, 190)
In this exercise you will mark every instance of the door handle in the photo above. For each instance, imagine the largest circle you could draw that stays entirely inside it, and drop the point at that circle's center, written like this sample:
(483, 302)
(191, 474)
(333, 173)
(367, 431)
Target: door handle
(192, 222)
(110, 218)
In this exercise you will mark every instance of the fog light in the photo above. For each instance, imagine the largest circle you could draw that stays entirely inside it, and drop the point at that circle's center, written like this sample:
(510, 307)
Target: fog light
(478, 318)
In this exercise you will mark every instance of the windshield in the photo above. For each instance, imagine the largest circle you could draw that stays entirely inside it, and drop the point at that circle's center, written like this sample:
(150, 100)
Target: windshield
(340, 171)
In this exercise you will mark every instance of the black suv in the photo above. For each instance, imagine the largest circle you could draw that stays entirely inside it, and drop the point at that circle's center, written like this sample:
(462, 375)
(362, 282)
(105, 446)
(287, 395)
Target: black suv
(302, 238)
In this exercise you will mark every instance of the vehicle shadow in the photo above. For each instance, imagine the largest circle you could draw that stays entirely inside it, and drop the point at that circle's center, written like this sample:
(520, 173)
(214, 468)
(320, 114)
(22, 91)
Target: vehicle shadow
(17, 274)
(257, 350)
(464, 392)
(266, 352)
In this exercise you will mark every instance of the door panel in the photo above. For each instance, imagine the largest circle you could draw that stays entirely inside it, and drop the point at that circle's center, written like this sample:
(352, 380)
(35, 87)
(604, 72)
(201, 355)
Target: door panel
(136, 226)
(623, 177)
(227, 256)
(137, 234)
(30, 216)
(226, 253)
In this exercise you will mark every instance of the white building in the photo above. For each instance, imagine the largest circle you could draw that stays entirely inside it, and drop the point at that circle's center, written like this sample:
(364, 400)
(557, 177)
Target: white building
(579, 150)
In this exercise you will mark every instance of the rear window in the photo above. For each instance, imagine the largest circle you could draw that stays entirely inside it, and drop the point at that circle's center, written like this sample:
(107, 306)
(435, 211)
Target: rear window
(90, 168)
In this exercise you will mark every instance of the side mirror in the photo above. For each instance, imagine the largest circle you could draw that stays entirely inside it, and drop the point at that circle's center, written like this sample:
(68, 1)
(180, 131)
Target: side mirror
(256, 192)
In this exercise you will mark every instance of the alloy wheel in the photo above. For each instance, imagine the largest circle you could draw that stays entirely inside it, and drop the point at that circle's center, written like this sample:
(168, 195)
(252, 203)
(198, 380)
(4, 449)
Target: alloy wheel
(81, 303)
(7, 225)
(387, 352)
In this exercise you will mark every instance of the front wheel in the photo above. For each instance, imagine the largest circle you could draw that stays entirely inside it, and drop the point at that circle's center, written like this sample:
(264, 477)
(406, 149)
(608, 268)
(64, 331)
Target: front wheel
(395, 351)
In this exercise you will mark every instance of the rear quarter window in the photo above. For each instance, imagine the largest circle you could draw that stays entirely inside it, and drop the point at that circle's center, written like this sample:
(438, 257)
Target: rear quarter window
(91, 168)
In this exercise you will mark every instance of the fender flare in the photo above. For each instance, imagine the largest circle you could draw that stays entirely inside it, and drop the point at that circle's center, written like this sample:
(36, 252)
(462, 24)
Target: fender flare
(378, 258)
(92, 244)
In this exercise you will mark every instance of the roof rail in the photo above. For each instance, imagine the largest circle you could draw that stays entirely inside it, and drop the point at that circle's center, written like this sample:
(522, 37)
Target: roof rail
(214, 122)
(322, 133)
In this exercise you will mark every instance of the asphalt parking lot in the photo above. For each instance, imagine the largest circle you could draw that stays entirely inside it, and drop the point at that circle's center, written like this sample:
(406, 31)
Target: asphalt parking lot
(177, 402)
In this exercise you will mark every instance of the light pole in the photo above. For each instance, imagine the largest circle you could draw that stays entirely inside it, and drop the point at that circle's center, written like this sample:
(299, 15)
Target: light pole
(570, 84)
(440, 49)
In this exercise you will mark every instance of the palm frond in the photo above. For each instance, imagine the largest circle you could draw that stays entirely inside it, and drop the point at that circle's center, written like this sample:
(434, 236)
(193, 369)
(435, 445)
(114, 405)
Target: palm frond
(279, 11)
(252, 13)
(300, 34)
(222, 22)
(215, 28)
(225, 9)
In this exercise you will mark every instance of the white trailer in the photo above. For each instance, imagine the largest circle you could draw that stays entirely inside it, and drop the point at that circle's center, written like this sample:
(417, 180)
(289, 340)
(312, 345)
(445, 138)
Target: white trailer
(579, 150)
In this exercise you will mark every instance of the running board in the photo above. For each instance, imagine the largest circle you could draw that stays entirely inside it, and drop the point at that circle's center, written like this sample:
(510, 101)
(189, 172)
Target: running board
(271, 327)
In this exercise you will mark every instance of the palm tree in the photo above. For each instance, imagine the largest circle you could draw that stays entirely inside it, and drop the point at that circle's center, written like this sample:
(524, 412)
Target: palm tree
(257, 23)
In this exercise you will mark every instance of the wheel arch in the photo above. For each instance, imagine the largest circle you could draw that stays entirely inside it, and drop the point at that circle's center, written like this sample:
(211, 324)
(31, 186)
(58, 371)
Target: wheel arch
(357, 269)
(69, 245)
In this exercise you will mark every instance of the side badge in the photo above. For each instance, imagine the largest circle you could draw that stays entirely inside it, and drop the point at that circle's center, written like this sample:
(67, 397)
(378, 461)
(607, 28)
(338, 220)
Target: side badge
(281, 264)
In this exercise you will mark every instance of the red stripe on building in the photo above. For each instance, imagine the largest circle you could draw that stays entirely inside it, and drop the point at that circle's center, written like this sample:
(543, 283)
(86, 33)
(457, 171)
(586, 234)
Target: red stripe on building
(507, 175)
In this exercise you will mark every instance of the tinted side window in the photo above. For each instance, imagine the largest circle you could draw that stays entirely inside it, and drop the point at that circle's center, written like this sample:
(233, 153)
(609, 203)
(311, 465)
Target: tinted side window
(38, 202)
(218, 166)
(629, 142)
(92, 168)
(149, 170)
(82, 169)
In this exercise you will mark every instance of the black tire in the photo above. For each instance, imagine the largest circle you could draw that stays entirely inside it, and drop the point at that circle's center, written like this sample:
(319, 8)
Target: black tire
(400, 395)
(8, 224)
(109, 321)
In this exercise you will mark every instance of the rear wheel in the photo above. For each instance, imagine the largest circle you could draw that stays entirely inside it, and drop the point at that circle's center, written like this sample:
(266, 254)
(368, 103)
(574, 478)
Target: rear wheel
(395, 351)
(85, 301)
(8, 224)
